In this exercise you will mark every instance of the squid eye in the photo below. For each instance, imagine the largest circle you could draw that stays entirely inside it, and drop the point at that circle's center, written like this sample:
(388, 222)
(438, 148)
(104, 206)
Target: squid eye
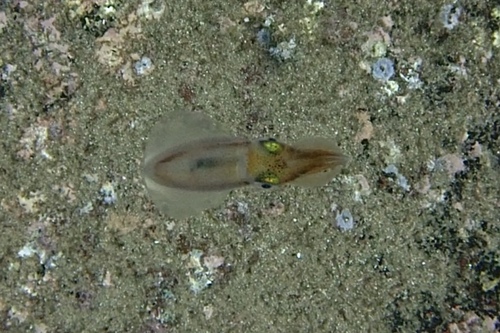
(266, 186)
(272, 146)
(268, 179)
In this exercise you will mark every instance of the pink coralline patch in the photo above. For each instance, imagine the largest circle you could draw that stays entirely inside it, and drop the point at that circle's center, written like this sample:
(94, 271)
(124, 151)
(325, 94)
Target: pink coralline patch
(366, 131)
(477, 150)
(274, 209)
(473, 323)
(452, 163)
(51, 58)
(111, 47)
(66, 191)
(3, 21)
(111, 36)
(50, 29)
(378, 34)
(364, 186)
(387, 22)
(57, 68)
(33, 140)
(237, 211)
(424, 185)
(21, 4)
(31, 26)
(213, 262)
(63, 48)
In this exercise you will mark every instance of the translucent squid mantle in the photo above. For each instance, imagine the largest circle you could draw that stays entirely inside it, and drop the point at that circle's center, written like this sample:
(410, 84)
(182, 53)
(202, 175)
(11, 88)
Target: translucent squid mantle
(190, 164)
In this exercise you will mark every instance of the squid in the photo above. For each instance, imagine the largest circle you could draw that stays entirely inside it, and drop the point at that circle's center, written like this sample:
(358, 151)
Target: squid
(191, 164)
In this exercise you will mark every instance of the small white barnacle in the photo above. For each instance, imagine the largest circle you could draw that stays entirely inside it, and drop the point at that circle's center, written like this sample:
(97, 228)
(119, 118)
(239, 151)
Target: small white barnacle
(344, 220)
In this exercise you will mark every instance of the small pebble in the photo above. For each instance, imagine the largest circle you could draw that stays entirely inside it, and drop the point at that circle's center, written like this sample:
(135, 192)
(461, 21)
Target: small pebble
(264, 37)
